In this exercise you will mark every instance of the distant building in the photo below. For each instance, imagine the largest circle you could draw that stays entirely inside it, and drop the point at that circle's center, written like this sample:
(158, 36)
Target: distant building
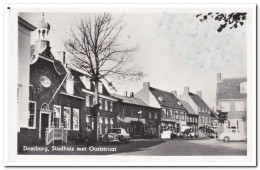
(231, 97)
(173, 115)
(192, 118)
(200, 107)
(137, 117)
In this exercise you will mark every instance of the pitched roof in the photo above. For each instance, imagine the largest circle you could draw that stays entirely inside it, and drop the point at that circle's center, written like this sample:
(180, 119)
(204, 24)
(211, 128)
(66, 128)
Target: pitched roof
(59, 67)
(198, 101)
(230, 89)
(130, 100)
(213, 113)
(188, 107)
(168, 99)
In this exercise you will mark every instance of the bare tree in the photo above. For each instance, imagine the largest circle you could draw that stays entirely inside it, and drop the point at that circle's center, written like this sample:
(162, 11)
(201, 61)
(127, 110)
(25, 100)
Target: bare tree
(98, 48)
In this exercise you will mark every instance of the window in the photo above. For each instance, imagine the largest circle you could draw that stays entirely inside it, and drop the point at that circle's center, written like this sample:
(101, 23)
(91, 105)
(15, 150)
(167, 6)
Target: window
(19, 88)
(100, 87)
(123, 111)
(88, 102)
(239, 106)
(150, 115)
(233, 124)
(111, 106)
(132, 113)
(203, 119)
(163, 113)
(32, 116)
(106, 105)
(195, 119)
(66, 118)
(100, 106)
(199, 109)
(176, 115)
(155, 116)
(243, 87)
(170, 114)
(70, 84)
(182, 116)
(200, 119)
(190, 119)
(57, 115)
(75, 119)
(206, 119)
(225, 106)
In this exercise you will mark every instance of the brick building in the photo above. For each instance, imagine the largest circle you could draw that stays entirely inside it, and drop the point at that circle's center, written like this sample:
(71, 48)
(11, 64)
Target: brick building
(200, 107)
(173, 115)
(137, 117)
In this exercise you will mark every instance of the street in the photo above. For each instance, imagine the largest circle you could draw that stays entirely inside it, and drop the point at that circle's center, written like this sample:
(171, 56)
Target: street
(154, 147)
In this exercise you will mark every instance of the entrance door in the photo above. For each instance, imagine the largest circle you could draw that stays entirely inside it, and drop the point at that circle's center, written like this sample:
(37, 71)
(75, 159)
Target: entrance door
(44, 124)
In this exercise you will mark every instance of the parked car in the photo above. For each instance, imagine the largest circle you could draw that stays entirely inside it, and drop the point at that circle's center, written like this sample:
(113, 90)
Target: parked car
(116, 135)
(232, 135)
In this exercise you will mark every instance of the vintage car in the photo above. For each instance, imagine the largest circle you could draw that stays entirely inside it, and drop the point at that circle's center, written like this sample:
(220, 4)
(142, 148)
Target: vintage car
(232, 135)
(116, 135)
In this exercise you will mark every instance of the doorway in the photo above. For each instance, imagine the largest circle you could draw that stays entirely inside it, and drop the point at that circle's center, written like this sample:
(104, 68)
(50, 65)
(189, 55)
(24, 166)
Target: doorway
(44, 123)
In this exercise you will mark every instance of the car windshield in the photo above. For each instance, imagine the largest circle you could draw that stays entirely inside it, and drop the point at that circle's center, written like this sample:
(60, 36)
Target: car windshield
(117, 131)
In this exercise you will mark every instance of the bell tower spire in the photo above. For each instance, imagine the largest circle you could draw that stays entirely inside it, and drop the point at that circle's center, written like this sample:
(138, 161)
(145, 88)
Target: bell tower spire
(43, 28)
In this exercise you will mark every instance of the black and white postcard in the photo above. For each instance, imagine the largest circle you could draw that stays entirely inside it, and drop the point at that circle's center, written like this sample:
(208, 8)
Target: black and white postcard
(131, 85)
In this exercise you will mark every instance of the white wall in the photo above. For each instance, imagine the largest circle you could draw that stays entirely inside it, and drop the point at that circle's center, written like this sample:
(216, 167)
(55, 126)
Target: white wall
(23, 75)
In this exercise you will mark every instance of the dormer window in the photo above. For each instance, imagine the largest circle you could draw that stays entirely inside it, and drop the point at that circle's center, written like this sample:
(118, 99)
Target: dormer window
(86, 82)
(243, 87)
(100, 87)
(70, 84)
(160, 98)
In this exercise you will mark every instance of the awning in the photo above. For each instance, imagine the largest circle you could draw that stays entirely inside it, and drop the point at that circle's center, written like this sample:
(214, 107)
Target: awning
(184, 127)
(100, 120)
(111, 122)
(106, 122)
(129, 119)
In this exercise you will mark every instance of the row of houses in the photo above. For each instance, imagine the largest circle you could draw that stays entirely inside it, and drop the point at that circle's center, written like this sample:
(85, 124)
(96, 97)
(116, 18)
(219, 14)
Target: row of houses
(55, 97)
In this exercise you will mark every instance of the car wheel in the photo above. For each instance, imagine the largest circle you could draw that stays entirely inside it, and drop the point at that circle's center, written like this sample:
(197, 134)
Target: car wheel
(226, 139)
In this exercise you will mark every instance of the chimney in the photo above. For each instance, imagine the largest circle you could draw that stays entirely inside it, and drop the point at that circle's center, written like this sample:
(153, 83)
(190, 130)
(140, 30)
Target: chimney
(219, 77)
(125, 93)
(146, 91)
(199, 93)
(175, 93)
(62, 55)
(186, 90)
(132, 94)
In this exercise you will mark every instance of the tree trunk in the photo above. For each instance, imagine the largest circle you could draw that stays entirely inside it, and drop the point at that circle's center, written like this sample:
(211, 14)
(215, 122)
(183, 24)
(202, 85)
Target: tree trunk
(96, 117)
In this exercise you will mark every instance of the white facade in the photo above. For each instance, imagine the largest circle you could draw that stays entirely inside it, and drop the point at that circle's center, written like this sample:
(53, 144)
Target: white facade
(24, 36)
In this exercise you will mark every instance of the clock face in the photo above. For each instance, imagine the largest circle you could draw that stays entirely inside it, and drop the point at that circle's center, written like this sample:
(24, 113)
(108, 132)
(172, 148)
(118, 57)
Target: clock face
(45, 81)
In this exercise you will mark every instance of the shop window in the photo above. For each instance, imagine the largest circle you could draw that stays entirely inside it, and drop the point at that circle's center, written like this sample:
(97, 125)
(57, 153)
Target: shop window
(56, 116)
(32, 116)
(75, 119)
(66, 118)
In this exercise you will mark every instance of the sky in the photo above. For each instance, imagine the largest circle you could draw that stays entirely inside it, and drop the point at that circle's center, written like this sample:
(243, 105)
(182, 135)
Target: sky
(176, 49)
